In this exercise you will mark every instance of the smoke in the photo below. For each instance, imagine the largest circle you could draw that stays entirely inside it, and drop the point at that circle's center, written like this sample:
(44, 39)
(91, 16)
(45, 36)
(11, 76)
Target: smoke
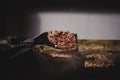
(72, 64)
(59, 67)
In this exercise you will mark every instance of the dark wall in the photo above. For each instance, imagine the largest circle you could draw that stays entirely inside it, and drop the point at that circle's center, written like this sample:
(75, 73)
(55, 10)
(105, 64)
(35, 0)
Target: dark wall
(18, 20)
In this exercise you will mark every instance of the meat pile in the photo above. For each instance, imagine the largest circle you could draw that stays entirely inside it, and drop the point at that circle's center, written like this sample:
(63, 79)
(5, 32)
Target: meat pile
(99, 59)
(63, 39)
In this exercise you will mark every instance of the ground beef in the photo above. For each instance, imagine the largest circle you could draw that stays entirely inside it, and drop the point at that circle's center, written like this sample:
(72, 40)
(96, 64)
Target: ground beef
(99, 59)
(63, 39)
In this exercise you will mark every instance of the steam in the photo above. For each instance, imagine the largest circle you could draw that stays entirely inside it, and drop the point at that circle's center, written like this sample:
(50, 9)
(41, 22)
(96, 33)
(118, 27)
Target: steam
(59, 66)
(71, 64)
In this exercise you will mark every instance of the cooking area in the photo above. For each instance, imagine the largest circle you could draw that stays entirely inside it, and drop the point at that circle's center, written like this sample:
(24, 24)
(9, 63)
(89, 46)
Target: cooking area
(60, 40)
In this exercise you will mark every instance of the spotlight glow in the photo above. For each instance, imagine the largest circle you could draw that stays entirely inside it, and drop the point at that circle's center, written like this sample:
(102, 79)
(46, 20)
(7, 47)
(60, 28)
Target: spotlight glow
(86, 25)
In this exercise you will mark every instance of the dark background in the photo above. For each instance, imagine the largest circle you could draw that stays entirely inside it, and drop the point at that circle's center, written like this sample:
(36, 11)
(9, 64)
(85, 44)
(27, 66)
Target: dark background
(16, 20)
(16, 15)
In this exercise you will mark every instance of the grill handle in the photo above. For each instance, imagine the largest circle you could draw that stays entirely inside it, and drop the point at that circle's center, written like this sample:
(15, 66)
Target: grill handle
(25, 45)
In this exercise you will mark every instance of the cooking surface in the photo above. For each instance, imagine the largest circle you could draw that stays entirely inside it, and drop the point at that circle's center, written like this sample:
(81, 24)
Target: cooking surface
(31, 66)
